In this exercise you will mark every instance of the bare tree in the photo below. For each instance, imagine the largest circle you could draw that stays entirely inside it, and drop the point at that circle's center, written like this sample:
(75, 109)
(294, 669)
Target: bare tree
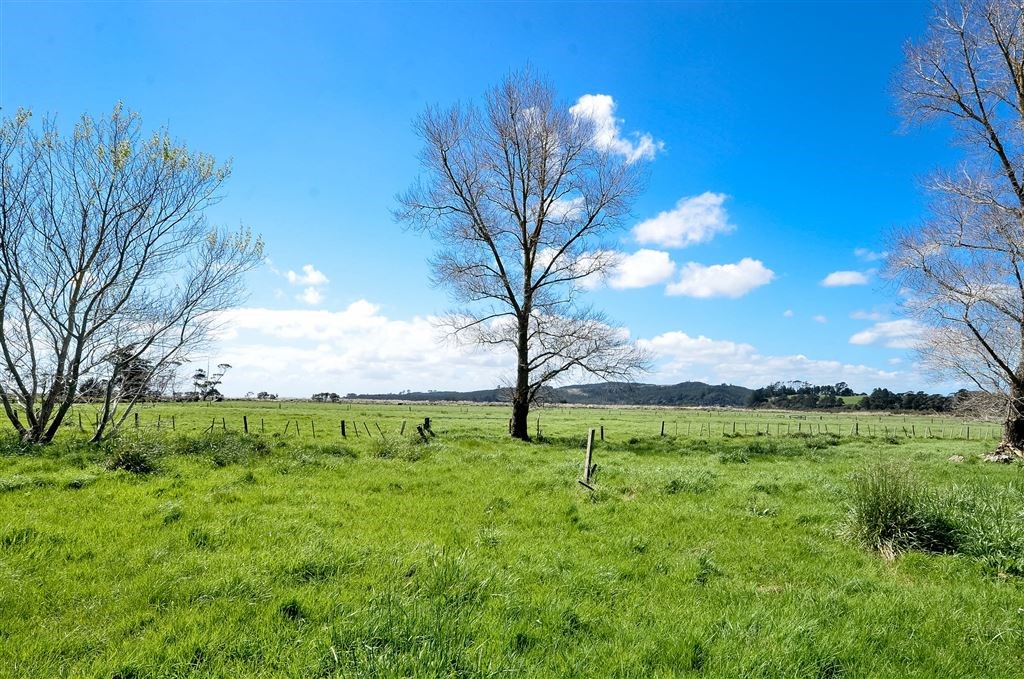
(961, 270)
(108, 269)
(518, 195)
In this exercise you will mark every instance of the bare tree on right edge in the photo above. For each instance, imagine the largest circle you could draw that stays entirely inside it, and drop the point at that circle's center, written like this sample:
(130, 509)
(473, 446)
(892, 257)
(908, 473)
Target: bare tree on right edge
(962, 271)
(517, 196)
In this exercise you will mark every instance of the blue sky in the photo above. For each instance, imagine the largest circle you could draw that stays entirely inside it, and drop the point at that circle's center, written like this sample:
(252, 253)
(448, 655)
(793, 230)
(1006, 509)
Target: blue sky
(778, 152)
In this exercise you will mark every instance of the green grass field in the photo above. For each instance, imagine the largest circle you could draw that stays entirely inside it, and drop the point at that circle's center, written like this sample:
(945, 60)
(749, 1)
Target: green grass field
(699, 552)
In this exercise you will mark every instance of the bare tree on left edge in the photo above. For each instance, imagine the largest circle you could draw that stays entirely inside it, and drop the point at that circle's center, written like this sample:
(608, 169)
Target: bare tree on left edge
(109, 271)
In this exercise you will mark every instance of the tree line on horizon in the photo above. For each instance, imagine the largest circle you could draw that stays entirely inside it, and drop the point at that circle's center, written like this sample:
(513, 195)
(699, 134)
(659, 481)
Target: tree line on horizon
(805, 396)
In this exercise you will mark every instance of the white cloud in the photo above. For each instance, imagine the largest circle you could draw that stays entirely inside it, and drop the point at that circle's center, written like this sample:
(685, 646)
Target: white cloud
(867, 315)
(788, 313)
(696, 219)
(641, 269)
(309, 276)
(821, 319)
(866, 255)
(310, 296)
(843, 278)
(683, 357)
(899, 334)
(894, 361)
(297, 352)
(721, 280)
(600, 108)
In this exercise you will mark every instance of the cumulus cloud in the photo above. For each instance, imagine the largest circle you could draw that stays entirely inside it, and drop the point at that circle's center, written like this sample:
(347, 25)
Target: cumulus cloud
(683, 357)
(838, 279)
(721, 280)
(309, 276)
(788, 313)
(310, 296)
(641, 269)
(696, 219)
(903, 333)
(297, 352)
(821, 318)
(312, 279)
(600, 108)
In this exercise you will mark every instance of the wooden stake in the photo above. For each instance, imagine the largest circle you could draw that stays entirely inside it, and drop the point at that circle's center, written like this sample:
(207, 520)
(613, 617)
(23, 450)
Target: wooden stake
(587, 459)
(402, 432)
(245, 424)
(343, 429)
(663, 427)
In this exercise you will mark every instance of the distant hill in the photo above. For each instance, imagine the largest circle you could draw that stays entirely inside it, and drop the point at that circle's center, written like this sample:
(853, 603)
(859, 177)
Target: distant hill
(605, 393)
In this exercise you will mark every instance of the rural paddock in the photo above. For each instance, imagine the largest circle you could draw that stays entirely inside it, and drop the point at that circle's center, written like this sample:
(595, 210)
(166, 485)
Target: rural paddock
(190, 548)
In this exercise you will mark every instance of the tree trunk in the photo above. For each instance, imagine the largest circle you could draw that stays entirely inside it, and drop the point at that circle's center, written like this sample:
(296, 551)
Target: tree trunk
(521, 393)
(520, 416)
(1013, 427)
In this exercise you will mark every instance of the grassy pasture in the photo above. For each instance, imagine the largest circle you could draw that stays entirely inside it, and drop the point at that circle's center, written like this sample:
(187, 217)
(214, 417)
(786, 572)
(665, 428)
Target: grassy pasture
(280, 554)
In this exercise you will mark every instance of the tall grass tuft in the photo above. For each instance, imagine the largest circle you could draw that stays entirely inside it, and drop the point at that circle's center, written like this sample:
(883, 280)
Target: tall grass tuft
(891, 510)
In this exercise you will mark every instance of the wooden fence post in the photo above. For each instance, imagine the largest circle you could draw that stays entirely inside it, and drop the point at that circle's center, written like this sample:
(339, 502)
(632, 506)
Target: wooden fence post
(602, 432)
(343, 429)
(663, 427)
(136, 420)
(312, 425)
(245, 424)
(587, 460)
(402, 432)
